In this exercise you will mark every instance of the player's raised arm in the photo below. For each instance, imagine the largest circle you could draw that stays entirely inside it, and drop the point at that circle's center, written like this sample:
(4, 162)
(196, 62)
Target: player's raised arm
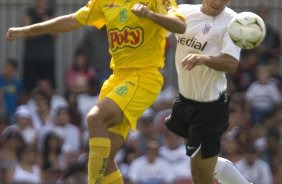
(59, 24)
(172, 23)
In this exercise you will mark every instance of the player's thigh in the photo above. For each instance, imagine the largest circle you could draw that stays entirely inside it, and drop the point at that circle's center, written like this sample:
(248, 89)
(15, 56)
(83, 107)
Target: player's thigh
(134, 94)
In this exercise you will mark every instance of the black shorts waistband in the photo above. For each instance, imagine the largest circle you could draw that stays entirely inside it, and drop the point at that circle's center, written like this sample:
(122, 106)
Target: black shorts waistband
(224, 97)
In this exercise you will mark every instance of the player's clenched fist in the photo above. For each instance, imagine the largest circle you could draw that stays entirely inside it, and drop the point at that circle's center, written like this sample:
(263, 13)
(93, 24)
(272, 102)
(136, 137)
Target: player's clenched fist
(14, 33)
(141, 10)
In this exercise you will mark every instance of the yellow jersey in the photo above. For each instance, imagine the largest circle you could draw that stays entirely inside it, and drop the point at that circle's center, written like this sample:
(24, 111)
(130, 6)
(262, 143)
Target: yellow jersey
(134, 42)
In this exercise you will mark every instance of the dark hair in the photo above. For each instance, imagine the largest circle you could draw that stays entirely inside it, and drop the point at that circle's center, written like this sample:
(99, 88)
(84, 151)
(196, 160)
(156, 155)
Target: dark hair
(48, 136)
(80, 52)
(61, 109)
(41, 92)
(13, 62)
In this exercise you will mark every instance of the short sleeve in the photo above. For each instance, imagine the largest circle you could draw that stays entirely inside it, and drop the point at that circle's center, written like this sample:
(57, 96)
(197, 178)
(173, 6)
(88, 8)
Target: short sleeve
(230, 48)
(91, 14)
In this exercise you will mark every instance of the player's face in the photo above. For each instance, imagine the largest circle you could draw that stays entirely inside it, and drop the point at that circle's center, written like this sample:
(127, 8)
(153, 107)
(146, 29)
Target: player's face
(214, 7)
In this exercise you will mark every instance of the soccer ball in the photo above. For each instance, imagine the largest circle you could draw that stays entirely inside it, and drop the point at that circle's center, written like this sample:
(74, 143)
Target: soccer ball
(247, 30)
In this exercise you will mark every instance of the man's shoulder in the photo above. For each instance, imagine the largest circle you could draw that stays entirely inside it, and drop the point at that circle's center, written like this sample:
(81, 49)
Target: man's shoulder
(229, 11)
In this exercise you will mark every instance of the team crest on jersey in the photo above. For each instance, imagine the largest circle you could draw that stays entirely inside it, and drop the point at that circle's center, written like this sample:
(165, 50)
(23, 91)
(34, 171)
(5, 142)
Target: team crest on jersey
(123, 15)
(127, 37)
(206, 29)
(167, 4)
(122, 90)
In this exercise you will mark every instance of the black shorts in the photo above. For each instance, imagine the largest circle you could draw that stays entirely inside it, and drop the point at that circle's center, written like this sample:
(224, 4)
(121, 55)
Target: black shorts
(201, 123)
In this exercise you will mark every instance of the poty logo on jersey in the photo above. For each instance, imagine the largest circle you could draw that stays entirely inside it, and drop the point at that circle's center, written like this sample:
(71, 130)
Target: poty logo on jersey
(206, 29)
(128, 37)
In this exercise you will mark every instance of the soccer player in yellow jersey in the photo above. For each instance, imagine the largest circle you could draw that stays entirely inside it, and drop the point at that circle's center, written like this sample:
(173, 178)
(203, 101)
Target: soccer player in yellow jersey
(136, 33)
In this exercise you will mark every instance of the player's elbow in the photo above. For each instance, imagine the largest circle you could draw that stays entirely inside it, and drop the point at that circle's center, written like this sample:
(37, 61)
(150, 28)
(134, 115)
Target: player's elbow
(181, 28)
(232, 67)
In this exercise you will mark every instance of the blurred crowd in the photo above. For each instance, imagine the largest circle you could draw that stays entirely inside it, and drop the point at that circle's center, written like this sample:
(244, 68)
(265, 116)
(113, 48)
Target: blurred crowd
(44, 135)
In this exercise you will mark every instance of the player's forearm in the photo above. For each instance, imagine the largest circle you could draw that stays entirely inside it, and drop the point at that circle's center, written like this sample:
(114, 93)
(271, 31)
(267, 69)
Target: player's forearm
(60, 24)
(222, 63)
(171, 23)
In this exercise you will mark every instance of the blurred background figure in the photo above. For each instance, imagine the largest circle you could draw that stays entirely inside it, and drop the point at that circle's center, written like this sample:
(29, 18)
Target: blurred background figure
(79, 73)
(56, 100)
(262, 96)
(174, 151)
(86, 100)
(69, 133)
(254, 168)
(51, 157)
(27, 169)
(124, 158)
(41, 114)
(11, 88)
(245, 72)
(39, 51)
(23, 123)
(95, 44)
(151, 168)
(11, 142)
(145, 131)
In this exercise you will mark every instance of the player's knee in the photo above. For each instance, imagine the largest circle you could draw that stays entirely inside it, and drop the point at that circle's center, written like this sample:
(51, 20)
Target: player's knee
(93, 121)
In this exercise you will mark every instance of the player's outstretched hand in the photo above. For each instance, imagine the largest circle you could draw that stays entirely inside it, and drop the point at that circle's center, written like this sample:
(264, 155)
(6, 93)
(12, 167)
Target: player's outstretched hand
(191, 60)
(141, 10)
(14, 33)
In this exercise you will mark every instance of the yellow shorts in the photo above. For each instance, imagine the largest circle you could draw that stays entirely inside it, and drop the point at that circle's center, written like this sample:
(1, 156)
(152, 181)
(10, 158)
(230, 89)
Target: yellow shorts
(133, 90)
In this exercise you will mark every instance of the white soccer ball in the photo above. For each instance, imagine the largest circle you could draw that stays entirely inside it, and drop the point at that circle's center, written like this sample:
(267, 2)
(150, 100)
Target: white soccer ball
(247, 30)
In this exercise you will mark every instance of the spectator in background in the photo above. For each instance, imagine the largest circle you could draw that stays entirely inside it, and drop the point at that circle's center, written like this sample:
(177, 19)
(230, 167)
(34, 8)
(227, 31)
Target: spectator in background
(42, 117)
(11, 141)
(11, 88)
(273, 150)
(95, 43)
(79, 74)
(56, 100)
(39, 51)
(124, 158)
(272, 42)
(254, 168)
(75, 114)
(174, 152)
(245, 72)
(274, 67)
(262, 96)
(23, 123)
(51, 158)
(68, 132)
(85, 101)
(146, 131)
(151, 168)
(27, 169)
